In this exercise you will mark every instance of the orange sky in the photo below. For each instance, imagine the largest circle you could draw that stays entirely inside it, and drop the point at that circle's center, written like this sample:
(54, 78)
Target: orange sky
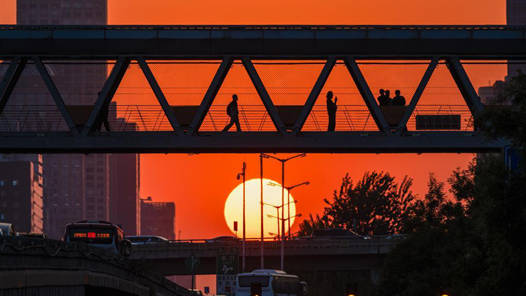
(199, 184)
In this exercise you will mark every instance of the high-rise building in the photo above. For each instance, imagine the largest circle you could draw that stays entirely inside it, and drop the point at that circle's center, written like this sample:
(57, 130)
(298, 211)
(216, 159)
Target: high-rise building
(21, 196)
(76, 186)
(516, 16)
(157, 218)
(125, 208)
(516, 12)
(61, 12)
(64, 188)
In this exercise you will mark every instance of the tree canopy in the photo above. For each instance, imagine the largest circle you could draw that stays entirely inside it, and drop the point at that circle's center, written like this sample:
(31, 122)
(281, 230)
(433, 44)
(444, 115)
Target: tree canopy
(375, 205)
(473, 245)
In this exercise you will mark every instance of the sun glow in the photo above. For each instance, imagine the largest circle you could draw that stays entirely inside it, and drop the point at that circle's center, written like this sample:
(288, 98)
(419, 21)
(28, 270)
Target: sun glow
(271, 196)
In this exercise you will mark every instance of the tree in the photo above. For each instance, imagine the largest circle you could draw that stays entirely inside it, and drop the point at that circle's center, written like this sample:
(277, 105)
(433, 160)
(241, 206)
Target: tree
(432, 259)
(475, 244)
(375, 205)
(507, 117)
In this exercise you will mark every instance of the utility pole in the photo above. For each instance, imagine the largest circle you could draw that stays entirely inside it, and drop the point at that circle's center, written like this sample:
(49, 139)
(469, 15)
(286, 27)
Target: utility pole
(261, 204)
(283, 161)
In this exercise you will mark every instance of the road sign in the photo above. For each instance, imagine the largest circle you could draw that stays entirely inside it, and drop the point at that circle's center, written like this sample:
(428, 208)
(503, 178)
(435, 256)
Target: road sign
(226, 271)
(191, 264)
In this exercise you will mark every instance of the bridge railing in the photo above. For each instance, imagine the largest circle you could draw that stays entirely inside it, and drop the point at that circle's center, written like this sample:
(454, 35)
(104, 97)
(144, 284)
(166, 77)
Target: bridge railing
(253, 118)
(178, 248)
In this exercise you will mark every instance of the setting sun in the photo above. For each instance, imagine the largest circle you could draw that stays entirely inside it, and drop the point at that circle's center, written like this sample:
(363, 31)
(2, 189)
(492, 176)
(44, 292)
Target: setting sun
(271, 198)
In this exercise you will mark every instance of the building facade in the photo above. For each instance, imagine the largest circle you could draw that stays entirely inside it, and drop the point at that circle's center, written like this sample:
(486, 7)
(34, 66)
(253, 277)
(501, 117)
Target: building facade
(21, 196)
(516, 16)
(158, 218)
(76, 186)
(125, 208)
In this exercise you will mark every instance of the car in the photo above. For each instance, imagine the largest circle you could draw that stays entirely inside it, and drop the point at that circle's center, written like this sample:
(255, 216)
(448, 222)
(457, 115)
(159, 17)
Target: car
(32, 235)
(337, 233)
(146, 239)
(7, 229)
(223, 239)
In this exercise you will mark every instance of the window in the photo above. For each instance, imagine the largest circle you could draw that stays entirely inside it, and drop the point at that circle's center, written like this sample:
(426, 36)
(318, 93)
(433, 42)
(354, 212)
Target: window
(247, 281)
(285, 285)
(2, 183)
(15, 182)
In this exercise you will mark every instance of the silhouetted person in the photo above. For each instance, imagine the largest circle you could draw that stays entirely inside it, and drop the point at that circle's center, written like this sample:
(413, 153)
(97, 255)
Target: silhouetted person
(104, 116)
(388, 97)
(398, 100)
(233, 113)
(383, 99)
(331, 111)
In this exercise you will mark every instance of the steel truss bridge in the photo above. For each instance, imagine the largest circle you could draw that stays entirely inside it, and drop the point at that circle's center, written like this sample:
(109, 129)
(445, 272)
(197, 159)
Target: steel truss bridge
(167, 128)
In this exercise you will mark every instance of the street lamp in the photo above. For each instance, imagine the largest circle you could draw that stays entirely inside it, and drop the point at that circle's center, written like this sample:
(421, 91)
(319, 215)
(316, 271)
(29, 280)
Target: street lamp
(275, 235)
(277, 210)
(289, 188)
(243, 174)
(283, 161)
(262, 243)
(277, 220)
(295, 216)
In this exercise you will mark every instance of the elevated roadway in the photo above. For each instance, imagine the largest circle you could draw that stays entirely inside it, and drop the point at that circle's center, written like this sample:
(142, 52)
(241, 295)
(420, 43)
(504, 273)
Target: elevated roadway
(30, 266)
(300, 255)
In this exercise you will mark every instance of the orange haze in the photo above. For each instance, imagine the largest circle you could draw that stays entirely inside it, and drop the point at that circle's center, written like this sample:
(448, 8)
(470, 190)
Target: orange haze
(200, 184)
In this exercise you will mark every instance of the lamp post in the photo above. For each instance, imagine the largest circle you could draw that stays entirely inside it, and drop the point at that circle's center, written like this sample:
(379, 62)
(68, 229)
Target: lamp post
(283, 161)
(262, 247)
(277, 212)
(278, 207)
(243, 174)
(288, 200)
(277, 217)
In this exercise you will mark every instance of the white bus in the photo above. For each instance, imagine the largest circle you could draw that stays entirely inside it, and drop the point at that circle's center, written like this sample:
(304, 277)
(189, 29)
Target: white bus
(269, 282)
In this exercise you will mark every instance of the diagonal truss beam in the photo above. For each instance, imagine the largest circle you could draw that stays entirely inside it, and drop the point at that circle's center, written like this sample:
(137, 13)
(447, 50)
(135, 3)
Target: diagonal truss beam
(55, 94)
(168, 111)
(315, 92)
(210, 95)
(263, 94)
(417, 95)
(106, 95)
(464, 85)
(367, 95)
(11, 77)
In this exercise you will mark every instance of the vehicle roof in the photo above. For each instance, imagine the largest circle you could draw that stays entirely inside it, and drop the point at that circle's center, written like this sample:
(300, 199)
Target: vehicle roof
(225, 237)
(88, 223)
(6, 226)
(146, 236)
(274, 272)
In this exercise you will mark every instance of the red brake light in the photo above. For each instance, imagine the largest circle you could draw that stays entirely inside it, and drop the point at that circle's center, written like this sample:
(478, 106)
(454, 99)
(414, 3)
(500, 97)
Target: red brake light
(91, 234)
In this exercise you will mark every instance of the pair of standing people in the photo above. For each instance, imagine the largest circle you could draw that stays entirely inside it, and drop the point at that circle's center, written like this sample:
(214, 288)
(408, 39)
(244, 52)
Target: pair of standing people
(233, 112)
(385, 98)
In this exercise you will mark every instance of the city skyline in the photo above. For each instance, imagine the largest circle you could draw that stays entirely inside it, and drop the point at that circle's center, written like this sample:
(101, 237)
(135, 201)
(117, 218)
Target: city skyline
(455, 239)
(161, 174)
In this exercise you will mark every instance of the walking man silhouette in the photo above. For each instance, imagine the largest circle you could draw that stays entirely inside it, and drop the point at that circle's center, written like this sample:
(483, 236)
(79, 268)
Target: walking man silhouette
(331, 111)
(233, 113)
